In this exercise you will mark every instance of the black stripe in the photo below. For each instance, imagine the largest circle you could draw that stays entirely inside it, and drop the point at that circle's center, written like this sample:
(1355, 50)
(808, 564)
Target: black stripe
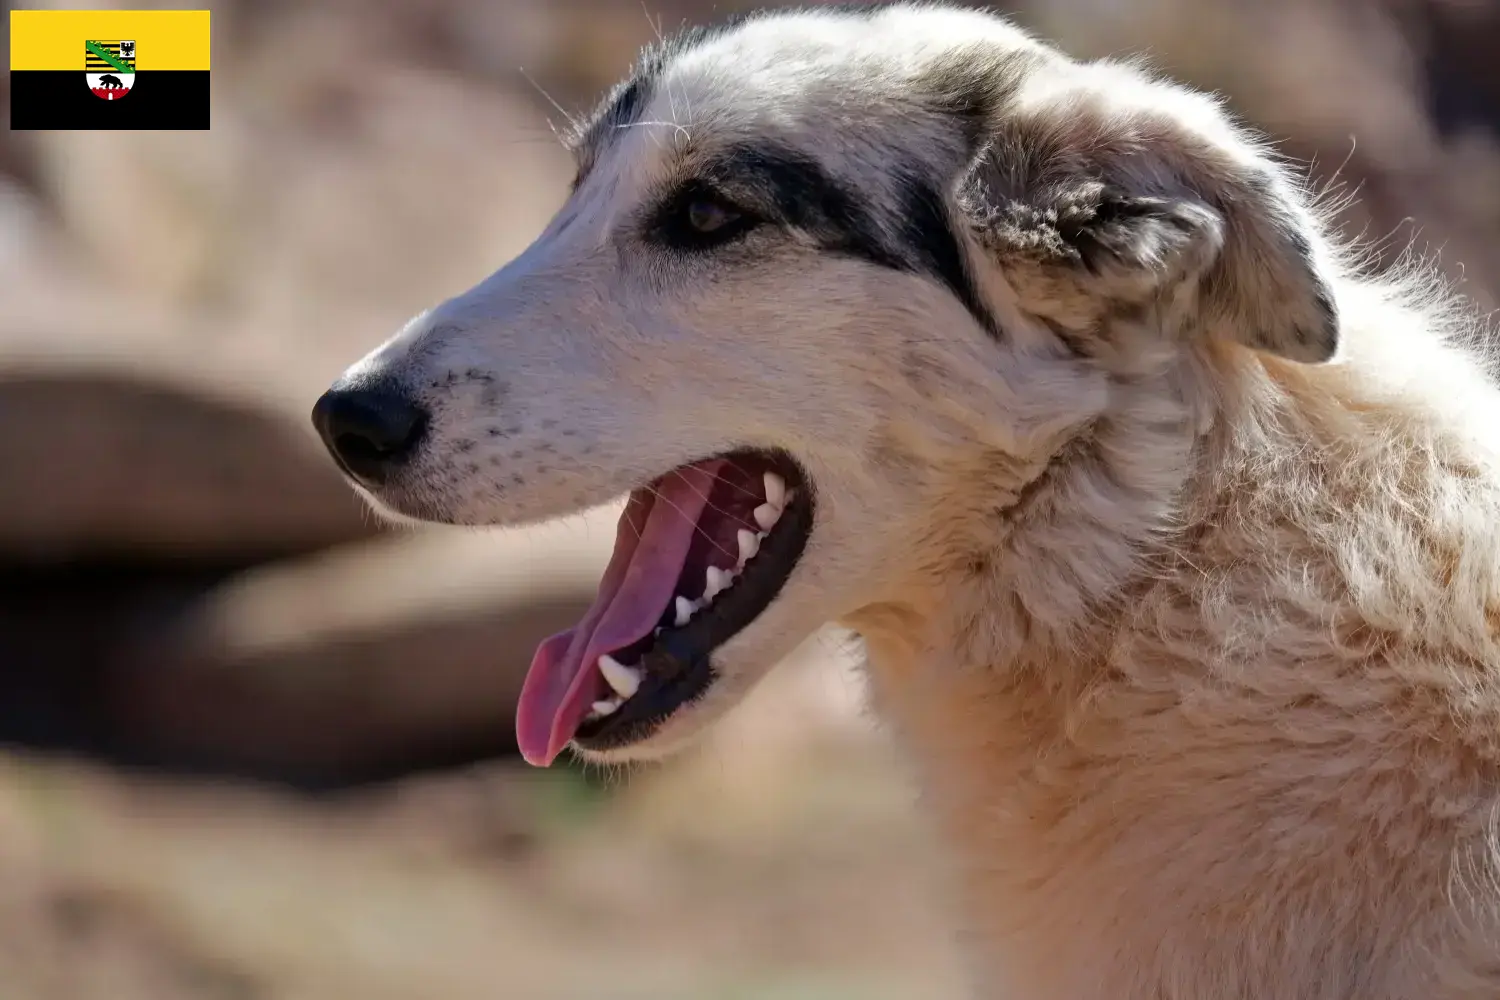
(169, 99)
(777, 184)
(929, 240)
(793, 189)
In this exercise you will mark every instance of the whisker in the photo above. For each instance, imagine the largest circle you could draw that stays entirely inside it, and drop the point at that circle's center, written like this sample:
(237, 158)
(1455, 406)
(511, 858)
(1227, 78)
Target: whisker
(711, 505)
(572, 121)
(696, 526)
(630, 520)
(655, 25)
(671, 125)
(758, 498)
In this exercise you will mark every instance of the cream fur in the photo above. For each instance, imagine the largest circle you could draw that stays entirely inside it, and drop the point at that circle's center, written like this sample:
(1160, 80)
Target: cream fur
(1192, 636)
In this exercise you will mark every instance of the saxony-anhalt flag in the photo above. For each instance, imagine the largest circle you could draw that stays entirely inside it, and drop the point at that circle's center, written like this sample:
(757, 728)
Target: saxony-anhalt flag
(109, 69)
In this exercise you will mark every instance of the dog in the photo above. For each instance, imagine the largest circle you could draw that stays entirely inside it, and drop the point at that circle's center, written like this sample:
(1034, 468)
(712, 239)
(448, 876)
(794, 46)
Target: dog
(1172, 534)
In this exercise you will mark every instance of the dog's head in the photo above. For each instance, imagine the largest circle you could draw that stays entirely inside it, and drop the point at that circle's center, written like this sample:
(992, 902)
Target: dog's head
(830, 286)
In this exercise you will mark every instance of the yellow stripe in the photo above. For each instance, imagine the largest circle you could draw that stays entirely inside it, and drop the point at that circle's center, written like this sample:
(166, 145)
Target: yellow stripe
(53, 39)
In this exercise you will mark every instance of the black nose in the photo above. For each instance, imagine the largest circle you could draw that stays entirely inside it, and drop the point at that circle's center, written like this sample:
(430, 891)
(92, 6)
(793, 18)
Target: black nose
(368, 428)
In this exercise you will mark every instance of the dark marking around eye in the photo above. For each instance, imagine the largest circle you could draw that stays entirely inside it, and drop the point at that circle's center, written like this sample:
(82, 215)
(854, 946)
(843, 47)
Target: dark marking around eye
(927, 234)
(770, 182)
(679, 223)
(796, 191)
(793, 190)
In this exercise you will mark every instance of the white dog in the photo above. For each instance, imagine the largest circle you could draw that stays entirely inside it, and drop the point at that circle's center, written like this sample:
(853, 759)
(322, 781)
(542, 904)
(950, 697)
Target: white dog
(1174, 540)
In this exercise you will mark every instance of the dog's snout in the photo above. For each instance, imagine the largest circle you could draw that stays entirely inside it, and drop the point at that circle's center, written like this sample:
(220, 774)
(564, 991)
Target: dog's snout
(368, 428)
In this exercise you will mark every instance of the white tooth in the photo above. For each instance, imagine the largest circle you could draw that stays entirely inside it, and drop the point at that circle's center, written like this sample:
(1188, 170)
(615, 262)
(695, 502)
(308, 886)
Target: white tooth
(685, 609)
(766, 516)
(790, 496)
(749, 544)
(607, 707)
(625, 680)
(775, 490)
(716, 580)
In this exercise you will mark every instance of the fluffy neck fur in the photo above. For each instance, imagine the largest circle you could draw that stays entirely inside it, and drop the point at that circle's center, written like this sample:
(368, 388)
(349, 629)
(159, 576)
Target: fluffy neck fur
(1134, 774)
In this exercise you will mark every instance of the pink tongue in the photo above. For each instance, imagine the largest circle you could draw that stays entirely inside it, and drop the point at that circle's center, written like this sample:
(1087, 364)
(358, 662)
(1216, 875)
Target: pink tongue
(641, 579)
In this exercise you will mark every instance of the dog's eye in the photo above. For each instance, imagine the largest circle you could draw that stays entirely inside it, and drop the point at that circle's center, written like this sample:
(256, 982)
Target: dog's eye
(701, 219)
(708, 215)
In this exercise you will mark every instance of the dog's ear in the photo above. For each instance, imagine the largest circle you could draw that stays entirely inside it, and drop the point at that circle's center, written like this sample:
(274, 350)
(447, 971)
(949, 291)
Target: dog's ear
(1140, 206)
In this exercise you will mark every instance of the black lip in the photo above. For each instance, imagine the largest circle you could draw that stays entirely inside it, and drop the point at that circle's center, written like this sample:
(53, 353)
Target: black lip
(678, 666)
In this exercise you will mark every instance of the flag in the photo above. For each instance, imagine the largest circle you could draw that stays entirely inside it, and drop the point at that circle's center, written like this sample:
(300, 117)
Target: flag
(109, 69)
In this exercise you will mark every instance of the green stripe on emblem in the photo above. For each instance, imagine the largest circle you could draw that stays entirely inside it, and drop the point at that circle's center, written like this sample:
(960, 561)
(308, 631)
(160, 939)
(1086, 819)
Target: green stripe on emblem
(109, 57)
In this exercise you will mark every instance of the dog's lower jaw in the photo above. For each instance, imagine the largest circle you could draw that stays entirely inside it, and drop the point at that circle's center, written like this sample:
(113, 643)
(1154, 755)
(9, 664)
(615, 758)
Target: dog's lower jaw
(660, 746)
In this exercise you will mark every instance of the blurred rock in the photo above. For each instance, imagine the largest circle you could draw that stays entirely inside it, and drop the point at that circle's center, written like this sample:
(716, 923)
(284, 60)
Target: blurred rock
(360, 660)
(124, 465)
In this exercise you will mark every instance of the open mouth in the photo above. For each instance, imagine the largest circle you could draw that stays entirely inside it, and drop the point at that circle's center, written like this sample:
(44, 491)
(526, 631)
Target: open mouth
(699, 554)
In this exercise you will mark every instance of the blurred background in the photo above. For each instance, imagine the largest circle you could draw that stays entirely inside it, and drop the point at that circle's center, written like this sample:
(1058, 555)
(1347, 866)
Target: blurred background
(254, 745)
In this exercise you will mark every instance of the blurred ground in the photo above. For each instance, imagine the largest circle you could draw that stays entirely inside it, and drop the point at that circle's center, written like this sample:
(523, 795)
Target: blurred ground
(794, 870)
(260, 747)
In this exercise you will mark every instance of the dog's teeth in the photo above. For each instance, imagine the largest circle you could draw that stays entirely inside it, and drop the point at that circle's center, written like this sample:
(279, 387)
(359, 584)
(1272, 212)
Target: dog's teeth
(603, 708)
(715, 580)
(766, 515)
(711, 585)
(625, 680)
(749, 544)
(775, 490)
(685, 609)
